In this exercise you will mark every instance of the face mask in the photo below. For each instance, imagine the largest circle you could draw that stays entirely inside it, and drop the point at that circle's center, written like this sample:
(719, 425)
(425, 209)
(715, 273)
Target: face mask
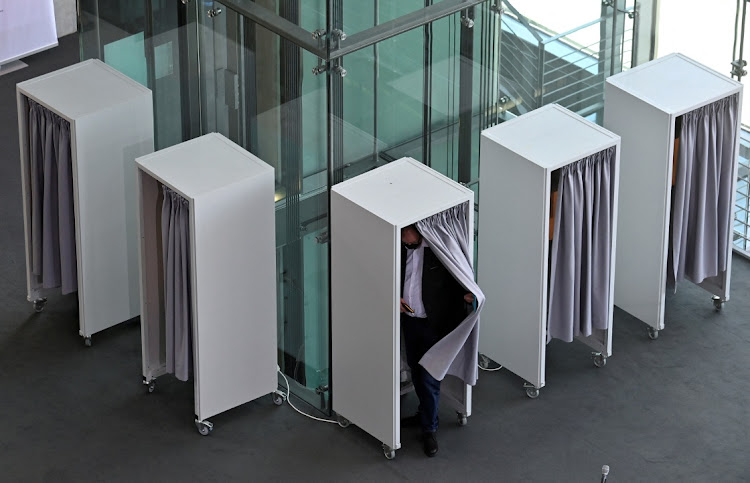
(411, 246)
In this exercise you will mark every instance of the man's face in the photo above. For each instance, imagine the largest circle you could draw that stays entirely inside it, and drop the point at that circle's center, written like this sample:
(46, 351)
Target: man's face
(410, 237)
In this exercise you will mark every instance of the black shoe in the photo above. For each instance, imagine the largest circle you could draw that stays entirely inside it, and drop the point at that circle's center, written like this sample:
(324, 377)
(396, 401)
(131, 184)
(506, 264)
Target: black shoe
(430, 444)
(410, 422)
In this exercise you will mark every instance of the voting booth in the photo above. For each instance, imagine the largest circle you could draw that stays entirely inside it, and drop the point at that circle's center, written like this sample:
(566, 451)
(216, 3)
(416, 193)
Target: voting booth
(208, 271)
(80, 130)
(679, 123)
(367, 215)
(548, 185)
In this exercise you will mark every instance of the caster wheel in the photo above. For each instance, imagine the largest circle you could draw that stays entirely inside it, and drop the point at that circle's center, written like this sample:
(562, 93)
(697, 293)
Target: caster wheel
(600, 360)
(484, 361)
(151, 387)
(532, 392)
(204, 427)
(87, 341)
(462, 419)
(343, 422)
(653, 334)
(279, 398)
(718, 303)
(389, 452)
(39, 305)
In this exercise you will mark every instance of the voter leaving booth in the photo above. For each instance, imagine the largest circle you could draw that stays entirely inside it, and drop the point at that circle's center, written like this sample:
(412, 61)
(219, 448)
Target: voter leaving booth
(368, 214)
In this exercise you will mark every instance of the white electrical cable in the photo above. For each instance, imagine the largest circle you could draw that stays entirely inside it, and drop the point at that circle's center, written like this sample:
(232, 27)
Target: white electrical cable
(289, 400)
(490, 370)
(486, 361)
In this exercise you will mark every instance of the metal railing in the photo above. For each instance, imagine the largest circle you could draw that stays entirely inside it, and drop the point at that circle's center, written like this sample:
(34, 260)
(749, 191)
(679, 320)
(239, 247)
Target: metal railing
(742, 199)
(539, 67)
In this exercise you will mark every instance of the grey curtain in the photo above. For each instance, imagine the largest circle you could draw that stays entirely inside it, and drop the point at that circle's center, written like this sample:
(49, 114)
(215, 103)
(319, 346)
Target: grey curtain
(53, 248)
(702, 207)
(448, 235)
(579, 297)
(175, 229)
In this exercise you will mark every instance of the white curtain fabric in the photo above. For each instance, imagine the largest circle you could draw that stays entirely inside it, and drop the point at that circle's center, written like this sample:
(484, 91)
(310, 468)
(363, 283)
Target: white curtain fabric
(175, 228)
(702, 207)
(579, 298)
(53, 248)
(448, 235)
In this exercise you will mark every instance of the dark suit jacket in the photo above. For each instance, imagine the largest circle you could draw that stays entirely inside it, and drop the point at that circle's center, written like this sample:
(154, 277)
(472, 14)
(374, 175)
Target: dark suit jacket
(442, 295)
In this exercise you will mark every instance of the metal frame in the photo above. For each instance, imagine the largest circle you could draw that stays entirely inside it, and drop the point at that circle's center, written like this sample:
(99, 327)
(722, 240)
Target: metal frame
(335, 49)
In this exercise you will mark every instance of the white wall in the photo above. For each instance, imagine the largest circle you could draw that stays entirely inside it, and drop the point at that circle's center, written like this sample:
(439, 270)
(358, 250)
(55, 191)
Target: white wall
(65, 17)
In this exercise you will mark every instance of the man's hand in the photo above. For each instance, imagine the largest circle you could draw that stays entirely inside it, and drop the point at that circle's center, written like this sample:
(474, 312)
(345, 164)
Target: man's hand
(401, 305)
(469, 298)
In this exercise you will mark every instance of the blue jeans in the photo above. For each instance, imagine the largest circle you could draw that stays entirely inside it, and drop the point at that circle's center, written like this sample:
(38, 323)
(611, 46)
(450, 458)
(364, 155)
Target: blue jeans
(419, 337)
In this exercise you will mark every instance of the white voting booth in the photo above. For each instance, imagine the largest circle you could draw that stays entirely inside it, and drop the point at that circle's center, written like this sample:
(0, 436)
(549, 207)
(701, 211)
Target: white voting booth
(367, 215)
(230, 279)
(80, 130)
(518, 159)
(644, 105)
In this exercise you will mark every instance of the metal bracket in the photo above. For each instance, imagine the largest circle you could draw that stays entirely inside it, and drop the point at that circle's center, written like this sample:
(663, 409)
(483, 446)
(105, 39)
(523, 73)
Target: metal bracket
(185, 2)
(320, 68)
(337, 35)
(496, 8)
(738, 68)
(630, 13)
(213, 12)
(467, 22)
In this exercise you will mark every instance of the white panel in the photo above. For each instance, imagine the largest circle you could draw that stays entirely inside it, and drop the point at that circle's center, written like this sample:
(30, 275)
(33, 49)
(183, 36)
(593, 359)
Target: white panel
(82, 89)
(203, 164)
(551, 136)
(675, 84)
(234, 294)
(644, 204)
(513, 247)
(364, 319)
(404, 191)
(26, 27)
(105, 147)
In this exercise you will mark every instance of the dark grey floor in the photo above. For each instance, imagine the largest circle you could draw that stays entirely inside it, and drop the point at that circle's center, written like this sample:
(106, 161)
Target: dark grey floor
(673, 409)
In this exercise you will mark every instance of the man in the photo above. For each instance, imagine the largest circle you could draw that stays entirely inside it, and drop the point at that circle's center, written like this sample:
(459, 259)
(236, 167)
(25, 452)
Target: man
(432, 305)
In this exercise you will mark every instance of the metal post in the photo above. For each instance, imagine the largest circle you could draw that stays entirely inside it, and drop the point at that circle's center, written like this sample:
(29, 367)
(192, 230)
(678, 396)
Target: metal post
(540, 74)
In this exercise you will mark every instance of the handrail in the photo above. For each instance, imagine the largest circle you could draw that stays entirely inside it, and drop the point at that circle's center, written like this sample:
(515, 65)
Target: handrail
(573, 30)
(523, 20)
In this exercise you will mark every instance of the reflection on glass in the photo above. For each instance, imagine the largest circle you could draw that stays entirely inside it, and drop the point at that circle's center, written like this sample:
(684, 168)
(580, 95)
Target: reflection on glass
(402, 97)
(258, 90)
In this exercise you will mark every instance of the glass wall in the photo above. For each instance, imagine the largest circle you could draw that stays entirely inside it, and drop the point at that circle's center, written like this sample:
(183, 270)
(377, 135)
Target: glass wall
(322, 90)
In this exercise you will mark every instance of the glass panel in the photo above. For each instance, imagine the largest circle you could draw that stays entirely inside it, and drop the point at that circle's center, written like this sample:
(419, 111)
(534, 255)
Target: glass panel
(259, 90)
(401, 97)
(151, 47)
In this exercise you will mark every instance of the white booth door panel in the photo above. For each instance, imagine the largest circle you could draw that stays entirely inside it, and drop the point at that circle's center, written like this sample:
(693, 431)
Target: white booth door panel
(644, 204)
(513, 239)
(365, 320)
(234, 321)
(105, 190)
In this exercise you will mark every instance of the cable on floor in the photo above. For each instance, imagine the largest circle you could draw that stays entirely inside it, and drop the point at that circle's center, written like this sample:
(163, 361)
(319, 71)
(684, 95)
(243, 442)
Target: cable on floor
(485, 363)
(289, 400)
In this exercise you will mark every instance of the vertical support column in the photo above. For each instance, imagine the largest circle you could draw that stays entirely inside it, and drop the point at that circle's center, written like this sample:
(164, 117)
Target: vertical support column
(427, 94)
(291, 178)
(466, 89)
